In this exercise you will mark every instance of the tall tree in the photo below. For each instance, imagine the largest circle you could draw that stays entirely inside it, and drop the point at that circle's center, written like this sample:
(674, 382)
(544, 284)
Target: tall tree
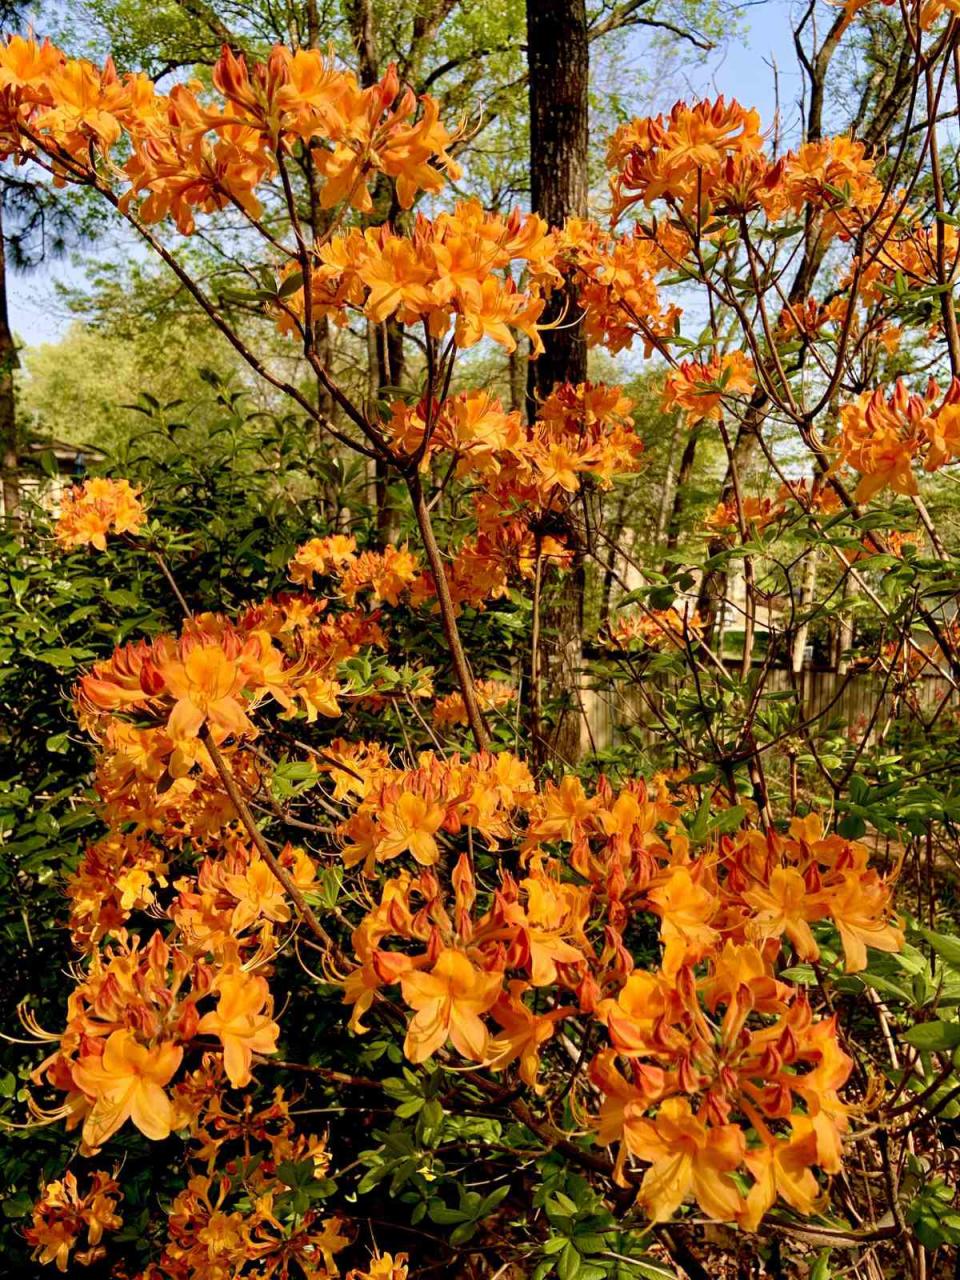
(558, 61)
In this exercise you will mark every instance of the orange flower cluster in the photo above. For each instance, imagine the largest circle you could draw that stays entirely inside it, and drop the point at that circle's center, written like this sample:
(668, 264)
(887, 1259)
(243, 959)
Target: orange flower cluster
(191, 153)
(492, 695)
(757, 512)
(882, 436)
(411, 810)
(62, 1216)
(698, 388)
(709, 155)
(616, 281)
(654, 629)
(706, 162)
(387, 1267)
(904, 254)
(141, 1009)
(233, 1225)
(456, 268)
(386, 575)
(727, 1069)
(583, 433)
(133, 1017)
(683, 155)
(91, 510)
(813, 176)
(579, 430)
(208, 681)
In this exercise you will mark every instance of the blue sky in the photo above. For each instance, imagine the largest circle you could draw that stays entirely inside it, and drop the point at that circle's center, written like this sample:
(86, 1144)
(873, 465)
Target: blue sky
(744, 69)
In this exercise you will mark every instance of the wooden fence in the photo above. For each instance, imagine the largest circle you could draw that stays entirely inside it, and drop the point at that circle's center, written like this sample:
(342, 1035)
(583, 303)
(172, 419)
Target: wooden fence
(824, 697)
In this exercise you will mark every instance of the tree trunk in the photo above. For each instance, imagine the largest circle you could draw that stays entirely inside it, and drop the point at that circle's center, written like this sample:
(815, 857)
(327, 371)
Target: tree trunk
(680, 490)
(390, 358)
(558, 65)
(807, 590)
(9, 362)
(517, 364)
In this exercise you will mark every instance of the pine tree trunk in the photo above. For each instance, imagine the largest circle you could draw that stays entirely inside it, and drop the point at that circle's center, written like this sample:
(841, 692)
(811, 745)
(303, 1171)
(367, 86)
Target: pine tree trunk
(558, 64)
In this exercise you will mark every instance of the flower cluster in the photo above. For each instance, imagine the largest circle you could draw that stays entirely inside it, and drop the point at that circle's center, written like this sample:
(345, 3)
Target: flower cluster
(653, 629)
(616, 282)
(454, 269)
(699, 388)
(237, 1223)
(582, 435)
(684, 155)
(133, 1017)
(709, 155)
(208, 681)
(757, 513)
(62, 1217)
(89, 511)
(192, 153)
(726, 1066)
(492, 695)
(928, 11)
(882, 436)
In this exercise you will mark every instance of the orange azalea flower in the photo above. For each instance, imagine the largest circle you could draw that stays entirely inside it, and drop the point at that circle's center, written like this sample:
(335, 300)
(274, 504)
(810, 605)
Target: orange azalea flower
(698, 388)
(881, 436)
(386, 574)
(758, 512)
(410, 823)
(860, 907)
(125, 1082)
(652, 629)
(522, 1033)
(813, 175)
(686, 1156)
(491, 695)
(615, 277)
(680, 155)
(204, 685)
(455, 268)
(783, 907)
(646, 1003)
(387, 1267)
(564, 808)
(242, 1022)
(91, 510)
(190, 154)
(781, 1167)
(322, 556)
(62, 1215)
(448, 1002)
(686, 909)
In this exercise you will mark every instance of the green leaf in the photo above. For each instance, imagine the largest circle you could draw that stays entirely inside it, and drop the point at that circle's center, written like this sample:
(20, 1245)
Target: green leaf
(946, 947)
(650, 1269)
(933, 1036)
(568, 1264)
(291, 284)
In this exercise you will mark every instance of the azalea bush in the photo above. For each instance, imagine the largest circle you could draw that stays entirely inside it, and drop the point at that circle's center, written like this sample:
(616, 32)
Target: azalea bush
(363, 978)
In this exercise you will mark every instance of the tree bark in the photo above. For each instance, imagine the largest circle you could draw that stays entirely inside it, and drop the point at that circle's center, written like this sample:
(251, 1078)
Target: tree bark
(558, 61)
(558, 64)
(9, 362)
